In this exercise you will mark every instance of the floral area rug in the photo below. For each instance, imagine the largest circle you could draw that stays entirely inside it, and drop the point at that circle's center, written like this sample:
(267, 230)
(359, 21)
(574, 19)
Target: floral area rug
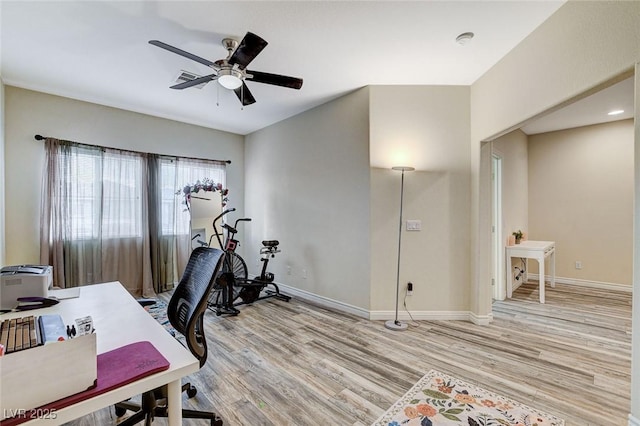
(438, 399)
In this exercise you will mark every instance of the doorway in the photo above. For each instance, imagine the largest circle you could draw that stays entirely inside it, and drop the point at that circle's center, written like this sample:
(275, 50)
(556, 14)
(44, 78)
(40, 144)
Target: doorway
(508, 182)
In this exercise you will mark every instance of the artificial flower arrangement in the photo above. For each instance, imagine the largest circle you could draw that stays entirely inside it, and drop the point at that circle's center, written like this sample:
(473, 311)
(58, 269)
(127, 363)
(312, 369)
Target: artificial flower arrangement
(206, 185)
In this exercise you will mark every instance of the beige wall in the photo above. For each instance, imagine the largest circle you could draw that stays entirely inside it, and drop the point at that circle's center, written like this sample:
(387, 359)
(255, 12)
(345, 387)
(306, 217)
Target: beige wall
(512, 147)
(28, 113)
(428, 124)
(307, 185)
(547, 69)
(574, 187)
(581, 197)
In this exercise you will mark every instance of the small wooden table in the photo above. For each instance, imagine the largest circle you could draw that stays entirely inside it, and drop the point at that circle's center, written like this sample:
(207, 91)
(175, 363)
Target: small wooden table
(538, 250)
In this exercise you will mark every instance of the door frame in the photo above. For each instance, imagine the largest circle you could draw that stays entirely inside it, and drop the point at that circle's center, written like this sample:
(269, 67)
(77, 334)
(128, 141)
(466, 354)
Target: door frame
(499, 291)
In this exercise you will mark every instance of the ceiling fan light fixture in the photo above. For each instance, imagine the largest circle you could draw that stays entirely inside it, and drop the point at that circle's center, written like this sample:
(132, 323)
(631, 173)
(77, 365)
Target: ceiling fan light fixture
(229, 79)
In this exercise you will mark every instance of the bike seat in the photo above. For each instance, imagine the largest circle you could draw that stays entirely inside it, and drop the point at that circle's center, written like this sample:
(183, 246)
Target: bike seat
(270, 243)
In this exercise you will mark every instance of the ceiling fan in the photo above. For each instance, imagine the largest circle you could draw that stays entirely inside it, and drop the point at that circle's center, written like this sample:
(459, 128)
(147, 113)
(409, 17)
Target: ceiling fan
(232, 71)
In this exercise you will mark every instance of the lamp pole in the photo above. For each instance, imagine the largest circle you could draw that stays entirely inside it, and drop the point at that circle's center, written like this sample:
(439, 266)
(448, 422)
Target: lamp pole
(396, 324)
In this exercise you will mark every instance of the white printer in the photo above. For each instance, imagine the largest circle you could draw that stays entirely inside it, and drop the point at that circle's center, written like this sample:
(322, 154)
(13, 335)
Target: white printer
(23, 281)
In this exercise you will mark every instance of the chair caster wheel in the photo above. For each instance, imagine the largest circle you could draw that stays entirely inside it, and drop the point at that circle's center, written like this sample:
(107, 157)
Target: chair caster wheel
(120, 411)
(191, 392)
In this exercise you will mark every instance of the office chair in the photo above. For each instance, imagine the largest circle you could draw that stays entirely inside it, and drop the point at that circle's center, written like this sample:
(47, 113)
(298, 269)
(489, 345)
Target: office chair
(186, 312)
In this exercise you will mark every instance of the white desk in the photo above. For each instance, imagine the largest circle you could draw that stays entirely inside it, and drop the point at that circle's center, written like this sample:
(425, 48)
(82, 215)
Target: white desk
(120, 320)
(538, 250)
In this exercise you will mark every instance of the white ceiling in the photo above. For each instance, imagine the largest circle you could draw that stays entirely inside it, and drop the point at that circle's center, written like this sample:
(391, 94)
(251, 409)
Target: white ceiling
(592, 109)
(99, 52)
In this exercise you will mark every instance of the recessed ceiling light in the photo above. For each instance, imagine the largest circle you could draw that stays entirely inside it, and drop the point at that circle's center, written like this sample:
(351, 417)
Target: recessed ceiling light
(464, 38)
(616, 112)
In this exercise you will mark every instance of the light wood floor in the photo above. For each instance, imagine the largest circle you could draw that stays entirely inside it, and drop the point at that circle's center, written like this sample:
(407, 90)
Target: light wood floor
(293, 363)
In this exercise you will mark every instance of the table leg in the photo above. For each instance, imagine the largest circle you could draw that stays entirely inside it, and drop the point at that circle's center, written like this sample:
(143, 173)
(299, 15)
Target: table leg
(174, 402)
(509, 277)
(553, 268)
(541, 262)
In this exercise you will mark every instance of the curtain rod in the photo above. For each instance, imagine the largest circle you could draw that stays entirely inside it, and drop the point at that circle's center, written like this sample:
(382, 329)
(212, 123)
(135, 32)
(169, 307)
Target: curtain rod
(40, 138)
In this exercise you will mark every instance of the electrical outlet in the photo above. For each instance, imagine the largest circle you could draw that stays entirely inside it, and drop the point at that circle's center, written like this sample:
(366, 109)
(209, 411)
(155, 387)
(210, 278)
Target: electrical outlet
(304, 274)
(409, 289)
(414, 225)
(288, 270)
(578, 264)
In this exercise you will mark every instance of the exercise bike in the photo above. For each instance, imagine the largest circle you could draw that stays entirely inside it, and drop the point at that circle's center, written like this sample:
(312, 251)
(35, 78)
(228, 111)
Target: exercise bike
(233, 284)
(234, 268)
(251, 290)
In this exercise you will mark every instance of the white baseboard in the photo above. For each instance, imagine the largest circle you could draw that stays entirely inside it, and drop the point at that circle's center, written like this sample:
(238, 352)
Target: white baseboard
(385, 315)
(633, 421)
(324, 301)
(420, 315)
(481, 319)
(587, 283)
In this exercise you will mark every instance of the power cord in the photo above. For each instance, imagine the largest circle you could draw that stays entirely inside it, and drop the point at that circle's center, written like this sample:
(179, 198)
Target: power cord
(520, 271)
(404, 303)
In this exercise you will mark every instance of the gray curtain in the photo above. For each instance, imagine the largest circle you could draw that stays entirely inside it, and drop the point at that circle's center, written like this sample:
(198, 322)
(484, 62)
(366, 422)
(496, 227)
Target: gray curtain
(169, 251)
(114, 215)
(94, 217)
(169, 221)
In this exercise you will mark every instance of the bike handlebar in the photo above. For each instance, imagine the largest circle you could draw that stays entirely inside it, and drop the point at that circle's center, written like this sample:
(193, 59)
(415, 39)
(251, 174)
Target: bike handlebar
(224, 212)
(244, 219)
(230, 230)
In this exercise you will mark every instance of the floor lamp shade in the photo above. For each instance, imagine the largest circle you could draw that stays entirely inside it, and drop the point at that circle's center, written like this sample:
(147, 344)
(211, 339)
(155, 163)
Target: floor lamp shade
(396, 324)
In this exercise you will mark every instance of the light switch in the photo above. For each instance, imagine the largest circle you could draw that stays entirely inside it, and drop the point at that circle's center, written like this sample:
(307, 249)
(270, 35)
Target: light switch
(414, 225)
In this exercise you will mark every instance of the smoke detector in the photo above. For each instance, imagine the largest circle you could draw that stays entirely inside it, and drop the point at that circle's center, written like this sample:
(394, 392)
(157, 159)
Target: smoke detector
(464, 38)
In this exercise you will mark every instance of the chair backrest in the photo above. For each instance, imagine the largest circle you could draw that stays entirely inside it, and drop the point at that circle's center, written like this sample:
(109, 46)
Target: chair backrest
(189, 301)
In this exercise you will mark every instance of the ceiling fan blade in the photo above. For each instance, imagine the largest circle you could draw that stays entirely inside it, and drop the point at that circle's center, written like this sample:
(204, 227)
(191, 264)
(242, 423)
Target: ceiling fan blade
(195, 81)
(250, 46)
(182, 53)
(275, 79)
(244, 94)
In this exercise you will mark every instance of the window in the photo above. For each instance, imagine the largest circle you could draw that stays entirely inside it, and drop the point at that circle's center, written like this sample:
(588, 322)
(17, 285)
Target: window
(103, 194)
(114, 215)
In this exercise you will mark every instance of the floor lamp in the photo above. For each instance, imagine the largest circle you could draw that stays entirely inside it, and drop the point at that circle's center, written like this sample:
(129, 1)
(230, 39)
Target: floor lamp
(397, 325)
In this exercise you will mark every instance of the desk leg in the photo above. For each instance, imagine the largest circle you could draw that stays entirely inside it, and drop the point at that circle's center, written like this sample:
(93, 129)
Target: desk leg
(541, 263)
(509, 277)
(174, 391)
(553, 268)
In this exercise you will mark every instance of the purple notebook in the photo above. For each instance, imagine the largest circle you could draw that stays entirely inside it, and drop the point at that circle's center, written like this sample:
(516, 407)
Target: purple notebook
(115, 368)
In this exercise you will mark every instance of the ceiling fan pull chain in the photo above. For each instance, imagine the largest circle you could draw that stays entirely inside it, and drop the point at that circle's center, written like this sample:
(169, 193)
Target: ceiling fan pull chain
(242, 98)
(217, 95)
